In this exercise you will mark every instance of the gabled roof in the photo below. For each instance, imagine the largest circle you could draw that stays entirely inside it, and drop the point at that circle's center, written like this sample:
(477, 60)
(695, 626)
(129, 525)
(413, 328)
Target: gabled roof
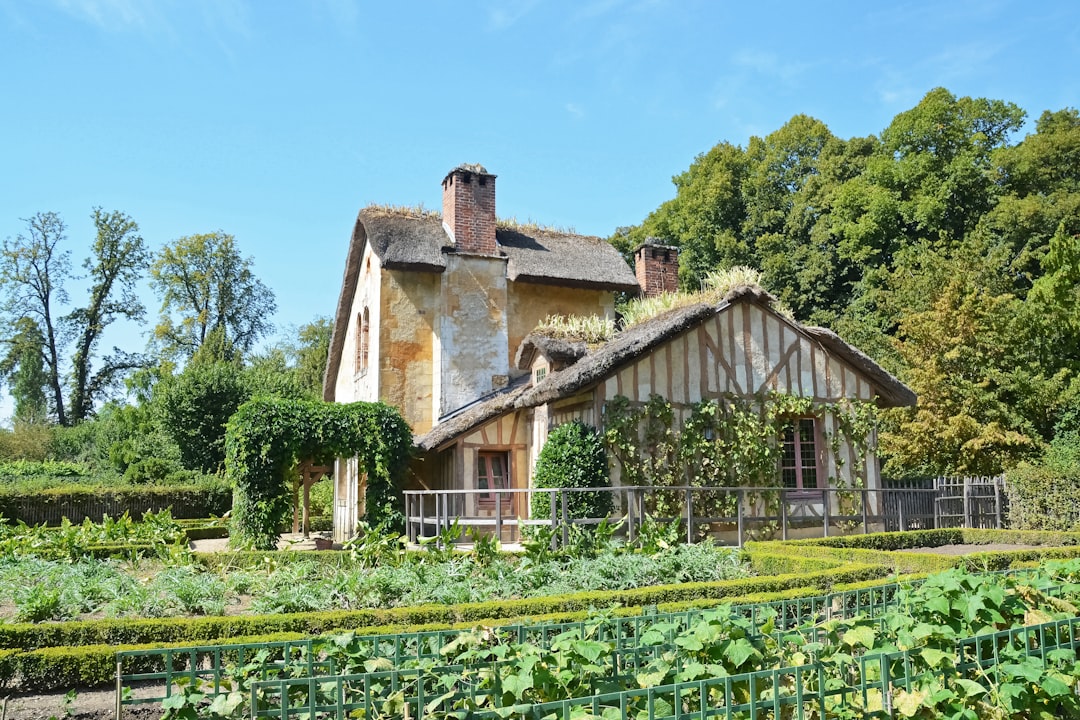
(639, 339)
(558, 351)
(416, 241)
(472, 417)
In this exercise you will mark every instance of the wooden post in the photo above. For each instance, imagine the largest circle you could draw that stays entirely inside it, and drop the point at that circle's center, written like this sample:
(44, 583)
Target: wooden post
(739, 515)
(629, 499)
(783, 513)
(997, 502)
(900, 510)
(967, 503)
(498, 515)
(865, 519)
(119, 689)
(689, 517)
(937, 510)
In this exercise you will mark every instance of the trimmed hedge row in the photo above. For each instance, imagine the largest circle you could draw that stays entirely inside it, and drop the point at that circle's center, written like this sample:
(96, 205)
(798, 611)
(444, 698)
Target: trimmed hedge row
(27, 636)
(80, 501)
(948, 536)
(883, 549)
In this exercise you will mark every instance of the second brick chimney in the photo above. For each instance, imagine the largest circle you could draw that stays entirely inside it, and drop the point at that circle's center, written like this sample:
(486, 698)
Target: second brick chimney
(657, 267)
(469, 209)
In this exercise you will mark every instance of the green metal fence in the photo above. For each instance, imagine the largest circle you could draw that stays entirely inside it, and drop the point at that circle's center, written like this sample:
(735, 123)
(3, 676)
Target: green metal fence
(814, 690)
(154, 669)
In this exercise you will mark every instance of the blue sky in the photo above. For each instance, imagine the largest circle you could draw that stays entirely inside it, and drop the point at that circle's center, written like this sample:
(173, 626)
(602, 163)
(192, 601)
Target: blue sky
(277, 121)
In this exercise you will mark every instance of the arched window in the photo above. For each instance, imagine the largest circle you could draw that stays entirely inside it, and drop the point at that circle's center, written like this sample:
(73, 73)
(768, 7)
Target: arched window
(362, 339)
(365, 339)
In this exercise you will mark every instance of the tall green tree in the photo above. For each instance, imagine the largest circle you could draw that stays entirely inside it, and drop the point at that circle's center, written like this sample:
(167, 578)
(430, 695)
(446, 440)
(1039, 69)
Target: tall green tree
(23, 366)
(205, 284)
(118, 260)
(942, 247)
(33, 270)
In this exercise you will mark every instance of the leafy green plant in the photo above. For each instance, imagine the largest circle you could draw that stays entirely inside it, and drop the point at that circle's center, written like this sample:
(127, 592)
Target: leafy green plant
(375, 546)
(572, 457)
(265, 438)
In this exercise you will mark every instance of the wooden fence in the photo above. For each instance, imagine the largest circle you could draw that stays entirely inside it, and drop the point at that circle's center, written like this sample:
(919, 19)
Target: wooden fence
(730, 515)
(972, 502)
(50, 508)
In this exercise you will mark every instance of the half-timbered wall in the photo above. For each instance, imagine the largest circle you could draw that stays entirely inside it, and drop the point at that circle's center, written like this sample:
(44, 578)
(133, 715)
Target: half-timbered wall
(742, 350)
(510, 434)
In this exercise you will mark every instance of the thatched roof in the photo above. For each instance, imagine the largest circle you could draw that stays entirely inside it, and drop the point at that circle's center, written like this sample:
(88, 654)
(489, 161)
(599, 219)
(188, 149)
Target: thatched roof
(558, 351)
(639, 339)
(630, 344)
(549, 257)
(621, 349)
(473, 416)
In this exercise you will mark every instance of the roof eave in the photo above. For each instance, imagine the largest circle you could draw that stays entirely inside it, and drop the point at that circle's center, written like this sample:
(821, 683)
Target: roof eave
(581, 284)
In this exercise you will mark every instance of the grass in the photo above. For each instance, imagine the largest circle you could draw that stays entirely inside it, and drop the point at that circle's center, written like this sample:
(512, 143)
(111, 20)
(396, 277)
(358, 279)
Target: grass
(589, 329)
(714, 288)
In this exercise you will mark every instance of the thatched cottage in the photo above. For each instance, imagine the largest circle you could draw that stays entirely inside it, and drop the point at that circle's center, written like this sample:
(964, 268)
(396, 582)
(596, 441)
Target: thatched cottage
(436, 316)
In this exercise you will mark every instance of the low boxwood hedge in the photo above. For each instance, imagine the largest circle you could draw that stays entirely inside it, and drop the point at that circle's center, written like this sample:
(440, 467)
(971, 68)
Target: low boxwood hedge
(27, 636)
(46, 669)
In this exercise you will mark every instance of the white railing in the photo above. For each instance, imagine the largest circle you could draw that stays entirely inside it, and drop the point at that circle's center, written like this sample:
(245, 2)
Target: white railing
(731, 515)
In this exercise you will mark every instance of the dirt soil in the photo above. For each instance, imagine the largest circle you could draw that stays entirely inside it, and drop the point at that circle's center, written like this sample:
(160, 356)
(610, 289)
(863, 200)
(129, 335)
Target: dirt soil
(968, 549)
(87, 705)
(101, 704)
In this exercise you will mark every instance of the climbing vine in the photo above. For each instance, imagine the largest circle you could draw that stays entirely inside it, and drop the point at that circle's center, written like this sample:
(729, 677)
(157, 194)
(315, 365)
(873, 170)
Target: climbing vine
(728, 442)
(266, 438)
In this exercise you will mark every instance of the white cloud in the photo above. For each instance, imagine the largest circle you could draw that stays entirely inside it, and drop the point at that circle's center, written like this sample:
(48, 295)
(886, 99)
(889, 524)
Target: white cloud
(506, 13)
(574, 109)
(112, 15)
(343, 13)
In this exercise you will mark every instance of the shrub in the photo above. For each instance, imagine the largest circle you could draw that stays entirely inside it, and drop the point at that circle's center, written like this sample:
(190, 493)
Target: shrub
(195, 406)
(573, 457)
(1045, 495)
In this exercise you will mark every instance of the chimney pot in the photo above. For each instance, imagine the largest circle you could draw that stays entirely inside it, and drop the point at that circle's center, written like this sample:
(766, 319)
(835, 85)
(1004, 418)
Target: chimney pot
(469, 209)
(657, 267)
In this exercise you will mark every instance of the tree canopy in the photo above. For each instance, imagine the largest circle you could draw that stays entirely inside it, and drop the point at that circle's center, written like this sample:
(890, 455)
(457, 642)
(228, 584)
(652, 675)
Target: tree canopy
(943, 247)
(206, 284)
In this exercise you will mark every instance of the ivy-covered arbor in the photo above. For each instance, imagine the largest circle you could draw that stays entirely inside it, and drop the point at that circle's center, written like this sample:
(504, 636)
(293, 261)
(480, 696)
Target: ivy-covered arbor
(266, 438)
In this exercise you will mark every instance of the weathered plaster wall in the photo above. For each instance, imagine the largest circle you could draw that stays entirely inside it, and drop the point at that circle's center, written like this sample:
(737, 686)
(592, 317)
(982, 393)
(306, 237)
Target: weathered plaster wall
(472, 333)
(352, 384)
(529, 303)
(408, 312)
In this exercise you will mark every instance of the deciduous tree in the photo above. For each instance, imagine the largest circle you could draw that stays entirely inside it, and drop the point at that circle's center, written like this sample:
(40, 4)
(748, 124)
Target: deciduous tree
(205, 283)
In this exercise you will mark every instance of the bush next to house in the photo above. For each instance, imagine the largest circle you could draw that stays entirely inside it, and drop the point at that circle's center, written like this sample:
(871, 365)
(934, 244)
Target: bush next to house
(573, 457)
(1045, 494)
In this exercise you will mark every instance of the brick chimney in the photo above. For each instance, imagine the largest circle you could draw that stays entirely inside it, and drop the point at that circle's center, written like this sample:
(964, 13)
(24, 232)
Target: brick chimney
(469, 209)
(657, 267)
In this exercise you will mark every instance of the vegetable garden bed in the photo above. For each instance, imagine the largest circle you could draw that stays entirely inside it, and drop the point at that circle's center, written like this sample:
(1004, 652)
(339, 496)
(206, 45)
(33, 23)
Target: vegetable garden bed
(956, 645)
